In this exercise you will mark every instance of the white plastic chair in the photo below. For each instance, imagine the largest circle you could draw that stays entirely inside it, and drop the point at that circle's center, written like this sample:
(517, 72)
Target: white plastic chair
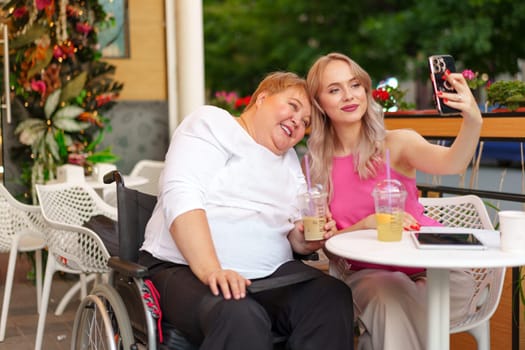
(72, 247)
(469, 211)
(150, 169)
(21, 230)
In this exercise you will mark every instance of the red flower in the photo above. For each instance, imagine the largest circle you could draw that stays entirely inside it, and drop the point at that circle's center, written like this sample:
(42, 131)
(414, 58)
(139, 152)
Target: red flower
(38, 86)
(468, 74)
(41, 4)
(380, 94)
(72, 11)
(83, 28)
(77, 159)
(20, 12)
(242, 102)
(104, 98)
(64, 50)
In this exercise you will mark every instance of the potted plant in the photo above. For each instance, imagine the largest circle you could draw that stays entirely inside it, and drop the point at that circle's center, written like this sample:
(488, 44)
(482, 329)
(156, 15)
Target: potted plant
(507, 94)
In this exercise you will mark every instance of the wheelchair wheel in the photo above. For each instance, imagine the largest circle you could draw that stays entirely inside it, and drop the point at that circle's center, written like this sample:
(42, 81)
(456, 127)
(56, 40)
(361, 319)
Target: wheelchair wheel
(102, 322)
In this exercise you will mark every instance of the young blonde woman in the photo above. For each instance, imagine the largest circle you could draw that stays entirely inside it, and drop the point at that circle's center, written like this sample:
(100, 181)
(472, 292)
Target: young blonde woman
(347, 150)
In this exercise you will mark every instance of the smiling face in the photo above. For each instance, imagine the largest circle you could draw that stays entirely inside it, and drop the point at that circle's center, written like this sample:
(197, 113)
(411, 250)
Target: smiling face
(340, 94)
(281, 119)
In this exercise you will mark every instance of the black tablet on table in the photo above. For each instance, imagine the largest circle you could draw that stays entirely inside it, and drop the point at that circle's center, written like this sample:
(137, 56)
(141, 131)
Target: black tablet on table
(447, 240)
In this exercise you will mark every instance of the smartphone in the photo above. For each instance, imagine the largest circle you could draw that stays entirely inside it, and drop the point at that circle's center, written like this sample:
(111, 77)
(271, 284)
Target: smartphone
(447, 240)
(438, 64)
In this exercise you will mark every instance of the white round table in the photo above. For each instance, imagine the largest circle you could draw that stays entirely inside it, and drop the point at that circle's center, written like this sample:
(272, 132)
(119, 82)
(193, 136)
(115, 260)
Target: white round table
(362, 245)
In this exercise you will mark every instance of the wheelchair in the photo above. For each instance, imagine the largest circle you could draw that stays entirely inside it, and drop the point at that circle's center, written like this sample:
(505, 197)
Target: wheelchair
(122, 313)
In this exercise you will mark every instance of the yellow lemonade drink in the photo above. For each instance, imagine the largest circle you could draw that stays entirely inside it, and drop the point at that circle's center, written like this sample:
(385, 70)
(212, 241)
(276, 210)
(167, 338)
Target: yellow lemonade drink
(313, 227)
(389, 226)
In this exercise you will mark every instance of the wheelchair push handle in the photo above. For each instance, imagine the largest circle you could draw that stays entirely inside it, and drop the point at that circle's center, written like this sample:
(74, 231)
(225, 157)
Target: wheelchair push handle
(113, 176)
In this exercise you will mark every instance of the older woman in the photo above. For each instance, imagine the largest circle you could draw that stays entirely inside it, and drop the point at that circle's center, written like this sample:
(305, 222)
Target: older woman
(227, 214)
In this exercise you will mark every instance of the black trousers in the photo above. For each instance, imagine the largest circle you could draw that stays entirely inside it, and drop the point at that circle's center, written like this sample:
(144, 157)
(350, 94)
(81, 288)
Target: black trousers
(316, 314)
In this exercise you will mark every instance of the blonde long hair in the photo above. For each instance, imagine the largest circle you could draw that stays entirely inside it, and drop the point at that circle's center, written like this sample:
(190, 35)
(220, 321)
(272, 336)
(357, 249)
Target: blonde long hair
(323, 138)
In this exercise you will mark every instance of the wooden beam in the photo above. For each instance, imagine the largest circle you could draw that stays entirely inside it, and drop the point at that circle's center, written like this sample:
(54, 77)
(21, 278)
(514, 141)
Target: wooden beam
(496, 126)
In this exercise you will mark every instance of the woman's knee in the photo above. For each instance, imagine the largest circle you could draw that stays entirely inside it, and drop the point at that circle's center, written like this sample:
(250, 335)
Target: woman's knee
(236, 324)
(332, 284)
(330, 293)
(240, 314)
(386, 287)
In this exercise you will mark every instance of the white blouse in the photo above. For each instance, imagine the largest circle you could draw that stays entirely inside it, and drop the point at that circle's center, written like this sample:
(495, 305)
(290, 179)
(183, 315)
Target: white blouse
(249, 194)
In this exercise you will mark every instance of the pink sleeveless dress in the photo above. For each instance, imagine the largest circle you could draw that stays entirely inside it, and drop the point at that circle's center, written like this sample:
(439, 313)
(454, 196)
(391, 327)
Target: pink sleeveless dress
(352, 201)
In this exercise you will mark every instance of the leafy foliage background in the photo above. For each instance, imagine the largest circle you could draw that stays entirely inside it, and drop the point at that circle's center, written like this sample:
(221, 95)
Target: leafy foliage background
(246, 39)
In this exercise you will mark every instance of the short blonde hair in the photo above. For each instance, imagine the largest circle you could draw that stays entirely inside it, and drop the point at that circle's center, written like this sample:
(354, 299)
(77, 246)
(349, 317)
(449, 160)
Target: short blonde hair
(277, 82)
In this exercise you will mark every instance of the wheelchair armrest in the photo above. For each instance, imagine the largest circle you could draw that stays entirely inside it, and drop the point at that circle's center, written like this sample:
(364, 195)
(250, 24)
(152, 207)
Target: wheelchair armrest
(310, 257)
(282, 281)
(128, 268)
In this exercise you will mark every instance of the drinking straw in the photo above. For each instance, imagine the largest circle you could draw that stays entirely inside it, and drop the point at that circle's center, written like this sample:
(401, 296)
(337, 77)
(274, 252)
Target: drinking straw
(307, 169)
(308, 181)
(388, 177)
(387, 164)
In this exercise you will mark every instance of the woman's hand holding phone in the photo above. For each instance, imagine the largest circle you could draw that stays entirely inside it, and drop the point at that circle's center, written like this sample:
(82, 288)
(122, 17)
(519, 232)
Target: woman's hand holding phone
(440, 67)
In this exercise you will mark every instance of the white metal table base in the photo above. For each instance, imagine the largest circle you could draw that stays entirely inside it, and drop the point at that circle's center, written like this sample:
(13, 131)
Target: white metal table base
(438, 316)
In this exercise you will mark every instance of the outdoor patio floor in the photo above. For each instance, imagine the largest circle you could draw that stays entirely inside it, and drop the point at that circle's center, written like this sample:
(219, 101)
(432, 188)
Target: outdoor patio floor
(22, 319)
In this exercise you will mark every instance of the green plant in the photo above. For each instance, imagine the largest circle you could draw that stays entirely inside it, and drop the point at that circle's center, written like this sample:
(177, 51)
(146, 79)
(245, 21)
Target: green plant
(61, 88)
(508, 93)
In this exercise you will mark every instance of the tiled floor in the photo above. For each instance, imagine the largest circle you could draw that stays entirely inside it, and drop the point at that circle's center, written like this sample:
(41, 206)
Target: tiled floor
(23, 317)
